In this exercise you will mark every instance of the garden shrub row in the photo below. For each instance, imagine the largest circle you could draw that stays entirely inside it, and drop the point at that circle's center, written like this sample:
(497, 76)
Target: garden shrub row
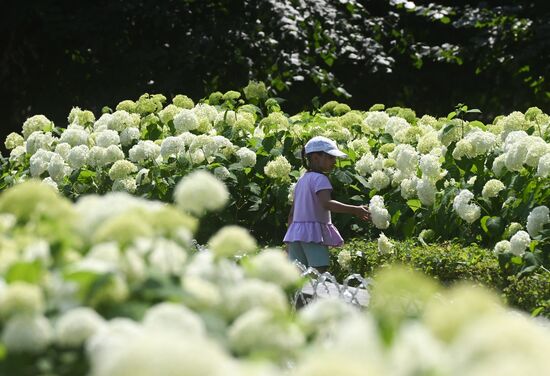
(450, 263)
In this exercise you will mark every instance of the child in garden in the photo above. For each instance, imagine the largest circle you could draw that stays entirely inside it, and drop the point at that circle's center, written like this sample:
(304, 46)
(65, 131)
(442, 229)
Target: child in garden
(310, 229)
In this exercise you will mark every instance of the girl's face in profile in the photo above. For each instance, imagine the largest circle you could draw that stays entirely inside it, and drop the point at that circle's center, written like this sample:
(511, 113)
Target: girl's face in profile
(323, 162)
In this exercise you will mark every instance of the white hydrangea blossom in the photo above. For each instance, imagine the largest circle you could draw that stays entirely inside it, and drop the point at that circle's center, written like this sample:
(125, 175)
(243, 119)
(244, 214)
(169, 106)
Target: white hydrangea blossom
(512, 122)
(430, 166)
(13, 140)
(77, 116)
(536, 220)
(145, 150)
(17, 154)
(278, 169)
(103, 122)
(106, 138)
(96, 156)
(120, 120)
(203, 293)
(197, 157)
(75, 135)
(75, 326)
(224, 145)
(39, 162)
(359, 145)
(207, 111)
(127, 184)
(375, 122)
(543, 169)
(426, 191)
(272, 265)
(39, 140)
(168, 113)
(519, 242)
(501, 247)
(379, 214)
(258, 330)
(57, 168)
(396, 124)
(144, 351)
(499, 165)
(463, 148)
(337, 133)
(428, 142)
(174, 317)
(365, 165)
(200, 191)
(187, 138)
(492, 188)
(482, 142)
(378, 180)
(516, 147)
(36, 123)
(407, 159)
(167, 256)
(129, 135)
(78, 156)
(247, 158)
(113, 153)
(49, 181)
(171, 146)
(185, 120)
(121, 169)
(408, 187)
(385, 246)
(250, 293)
(231, 240)
(205, 143)
(344, 259)
(222, 173)
(537, 147)
(20, 298)
(27, 333)
(63, 150)
(465, 210)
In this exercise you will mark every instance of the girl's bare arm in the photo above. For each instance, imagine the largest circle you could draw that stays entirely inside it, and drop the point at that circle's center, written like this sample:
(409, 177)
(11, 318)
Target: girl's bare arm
(291, 214)
(338, 207)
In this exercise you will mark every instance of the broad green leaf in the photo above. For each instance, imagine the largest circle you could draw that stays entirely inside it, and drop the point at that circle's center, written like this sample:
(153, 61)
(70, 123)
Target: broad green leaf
(343, 177)
(449, 127)
(414, 204)
(483, 223)
(408, 227)
(25, 271)
(269, 142)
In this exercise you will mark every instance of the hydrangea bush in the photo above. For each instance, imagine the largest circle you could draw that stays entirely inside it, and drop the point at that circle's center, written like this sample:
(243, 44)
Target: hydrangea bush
(461, 179)
(114, 285)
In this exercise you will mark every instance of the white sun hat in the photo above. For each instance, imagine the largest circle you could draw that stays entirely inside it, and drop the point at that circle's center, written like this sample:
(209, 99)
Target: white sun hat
(320, 143)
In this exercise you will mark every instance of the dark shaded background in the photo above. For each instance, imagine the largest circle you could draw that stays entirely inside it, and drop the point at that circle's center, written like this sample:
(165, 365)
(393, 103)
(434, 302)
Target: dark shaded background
(57, 54)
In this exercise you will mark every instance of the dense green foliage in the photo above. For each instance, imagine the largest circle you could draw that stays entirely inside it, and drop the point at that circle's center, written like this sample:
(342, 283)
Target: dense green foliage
(450, 263)
(439, 178)
(429, 56)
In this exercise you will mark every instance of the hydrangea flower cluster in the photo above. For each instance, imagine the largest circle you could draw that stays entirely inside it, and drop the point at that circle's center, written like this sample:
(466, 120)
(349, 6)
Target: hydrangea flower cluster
(419, 164)
(466, 210)
(122, 289)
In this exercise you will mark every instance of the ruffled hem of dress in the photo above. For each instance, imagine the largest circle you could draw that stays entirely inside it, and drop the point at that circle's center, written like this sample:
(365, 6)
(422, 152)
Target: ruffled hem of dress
(314, 232)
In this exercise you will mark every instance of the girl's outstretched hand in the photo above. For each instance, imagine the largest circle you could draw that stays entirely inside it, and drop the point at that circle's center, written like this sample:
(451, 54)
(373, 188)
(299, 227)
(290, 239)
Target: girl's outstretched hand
(363, 213)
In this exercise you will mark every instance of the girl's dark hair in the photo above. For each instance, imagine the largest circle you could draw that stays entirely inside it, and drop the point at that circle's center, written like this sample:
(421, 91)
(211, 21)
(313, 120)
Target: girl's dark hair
(305, 159)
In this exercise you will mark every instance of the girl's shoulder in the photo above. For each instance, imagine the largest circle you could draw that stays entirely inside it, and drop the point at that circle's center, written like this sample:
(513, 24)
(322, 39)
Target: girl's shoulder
(315, 178)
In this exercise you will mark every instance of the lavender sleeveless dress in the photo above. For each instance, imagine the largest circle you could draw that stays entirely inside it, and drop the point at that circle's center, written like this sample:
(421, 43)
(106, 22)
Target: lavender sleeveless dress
(311, 223)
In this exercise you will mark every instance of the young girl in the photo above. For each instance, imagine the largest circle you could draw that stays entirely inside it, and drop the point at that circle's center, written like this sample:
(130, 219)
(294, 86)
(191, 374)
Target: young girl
(310, 229)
